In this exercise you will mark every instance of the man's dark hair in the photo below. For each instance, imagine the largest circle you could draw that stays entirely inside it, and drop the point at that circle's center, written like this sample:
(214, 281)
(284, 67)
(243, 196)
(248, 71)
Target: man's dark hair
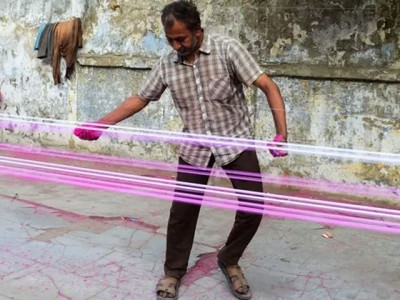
(182, 11)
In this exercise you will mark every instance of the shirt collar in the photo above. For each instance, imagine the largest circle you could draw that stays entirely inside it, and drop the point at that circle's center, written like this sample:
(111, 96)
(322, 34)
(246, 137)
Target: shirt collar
(206, 45)
(205, 48)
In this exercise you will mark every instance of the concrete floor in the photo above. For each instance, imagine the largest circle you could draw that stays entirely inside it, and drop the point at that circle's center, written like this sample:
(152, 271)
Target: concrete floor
(64, 242)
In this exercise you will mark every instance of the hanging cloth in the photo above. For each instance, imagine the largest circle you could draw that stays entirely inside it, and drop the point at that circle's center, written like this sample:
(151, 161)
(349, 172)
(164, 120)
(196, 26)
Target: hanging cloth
(46, 43)
(67, 39)
(39, 35)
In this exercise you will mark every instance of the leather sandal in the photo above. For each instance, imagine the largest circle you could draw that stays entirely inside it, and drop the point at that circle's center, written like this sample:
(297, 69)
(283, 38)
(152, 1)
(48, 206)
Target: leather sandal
(236, 280)
(167, 288)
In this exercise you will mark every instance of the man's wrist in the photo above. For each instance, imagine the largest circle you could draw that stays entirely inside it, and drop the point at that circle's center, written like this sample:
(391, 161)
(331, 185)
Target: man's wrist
(282, 136)
(103, 123)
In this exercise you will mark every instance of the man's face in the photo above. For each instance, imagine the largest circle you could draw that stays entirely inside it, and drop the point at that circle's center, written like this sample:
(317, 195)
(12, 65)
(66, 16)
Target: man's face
(184, 41)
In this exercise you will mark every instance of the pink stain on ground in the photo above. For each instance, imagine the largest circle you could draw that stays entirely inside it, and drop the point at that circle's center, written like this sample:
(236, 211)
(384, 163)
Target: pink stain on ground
(74, 217)
(204, 266)
(60, 294)
(319, 277)
(66, 215)
(130, 222)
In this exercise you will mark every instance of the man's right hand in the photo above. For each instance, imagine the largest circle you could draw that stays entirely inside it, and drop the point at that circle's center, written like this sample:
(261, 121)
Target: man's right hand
(90, 131)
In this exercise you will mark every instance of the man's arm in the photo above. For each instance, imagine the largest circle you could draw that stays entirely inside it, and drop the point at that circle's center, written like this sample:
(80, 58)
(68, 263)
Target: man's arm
(275, 101)
(151, 91)
(94, 130)
(129, 107)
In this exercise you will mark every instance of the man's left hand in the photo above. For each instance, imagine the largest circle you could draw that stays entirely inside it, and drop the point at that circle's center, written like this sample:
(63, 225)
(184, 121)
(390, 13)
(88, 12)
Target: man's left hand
(275, 152)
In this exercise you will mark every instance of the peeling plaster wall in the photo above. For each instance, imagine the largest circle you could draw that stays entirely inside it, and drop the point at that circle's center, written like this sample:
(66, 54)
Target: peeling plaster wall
(337, 64)
(25, 81)
(337, 33)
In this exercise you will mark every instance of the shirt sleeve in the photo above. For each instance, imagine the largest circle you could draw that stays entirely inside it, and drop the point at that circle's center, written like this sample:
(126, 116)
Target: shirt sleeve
(154, 85)
(243, 64)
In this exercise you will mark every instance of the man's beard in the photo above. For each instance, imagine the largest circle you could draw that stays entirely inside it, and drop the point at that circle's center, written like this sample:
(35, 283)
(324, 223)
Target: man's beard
(186, 51)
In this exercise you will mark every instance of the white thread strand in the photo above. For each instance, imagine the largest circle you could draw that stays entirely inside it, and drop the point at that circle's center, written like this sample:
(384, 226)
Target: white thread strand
(389, 158)
(189, 187)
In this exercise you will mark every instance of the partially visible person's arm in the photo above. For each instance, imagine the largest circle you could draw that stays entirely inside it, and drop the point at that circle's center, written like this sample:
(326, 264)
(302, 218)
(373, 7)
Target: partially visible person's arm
(129, 107)
(275, 101)
(92, 131)
(249, 73)
(151, 91)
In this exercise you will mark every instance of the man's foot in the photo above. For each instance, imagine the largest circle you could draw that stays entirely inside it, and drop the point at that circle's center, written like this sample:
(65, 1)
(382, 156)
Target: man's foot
(167, 288)
(236, 280)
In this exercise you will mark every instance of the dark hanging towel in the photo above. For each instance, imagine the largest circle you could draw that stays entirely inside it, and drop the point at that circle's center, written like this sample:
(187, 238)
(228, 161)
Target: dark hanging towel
(45, 50)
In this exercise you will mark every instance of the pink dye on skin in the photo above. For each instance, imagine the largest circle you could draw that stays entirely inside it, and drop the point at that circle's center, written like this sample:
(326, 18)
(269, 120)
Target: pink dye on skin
(91, 134)
(275, 152)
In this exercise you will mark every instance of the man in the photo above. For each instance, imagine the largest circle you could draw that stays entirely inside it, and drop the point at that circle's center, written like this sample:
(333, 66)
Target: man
(205, 75)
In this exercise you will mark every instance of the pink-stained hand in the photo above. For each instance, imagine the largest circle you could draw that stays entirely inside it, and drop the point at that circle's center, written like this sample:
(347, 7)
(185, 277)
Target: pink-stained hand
(277, 153)
(85, 132)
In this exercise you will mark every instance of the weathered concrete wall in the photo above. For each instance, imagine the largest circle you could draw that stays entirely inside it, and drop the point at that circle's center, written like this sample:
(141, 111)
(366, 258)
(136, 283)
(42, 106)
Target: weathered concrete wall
(337, 64)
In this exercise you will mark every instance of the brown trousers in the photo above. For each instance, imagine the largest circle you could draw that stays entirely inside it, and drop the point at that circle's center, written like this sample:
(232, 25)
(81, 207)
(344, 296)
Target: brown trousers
(183, 217)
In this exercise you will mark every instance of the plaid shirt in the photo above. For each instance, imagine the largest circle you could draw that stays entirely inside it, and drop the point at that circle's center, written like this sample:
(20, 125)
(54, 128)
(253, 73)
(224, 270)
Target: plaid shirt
(208, 95)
